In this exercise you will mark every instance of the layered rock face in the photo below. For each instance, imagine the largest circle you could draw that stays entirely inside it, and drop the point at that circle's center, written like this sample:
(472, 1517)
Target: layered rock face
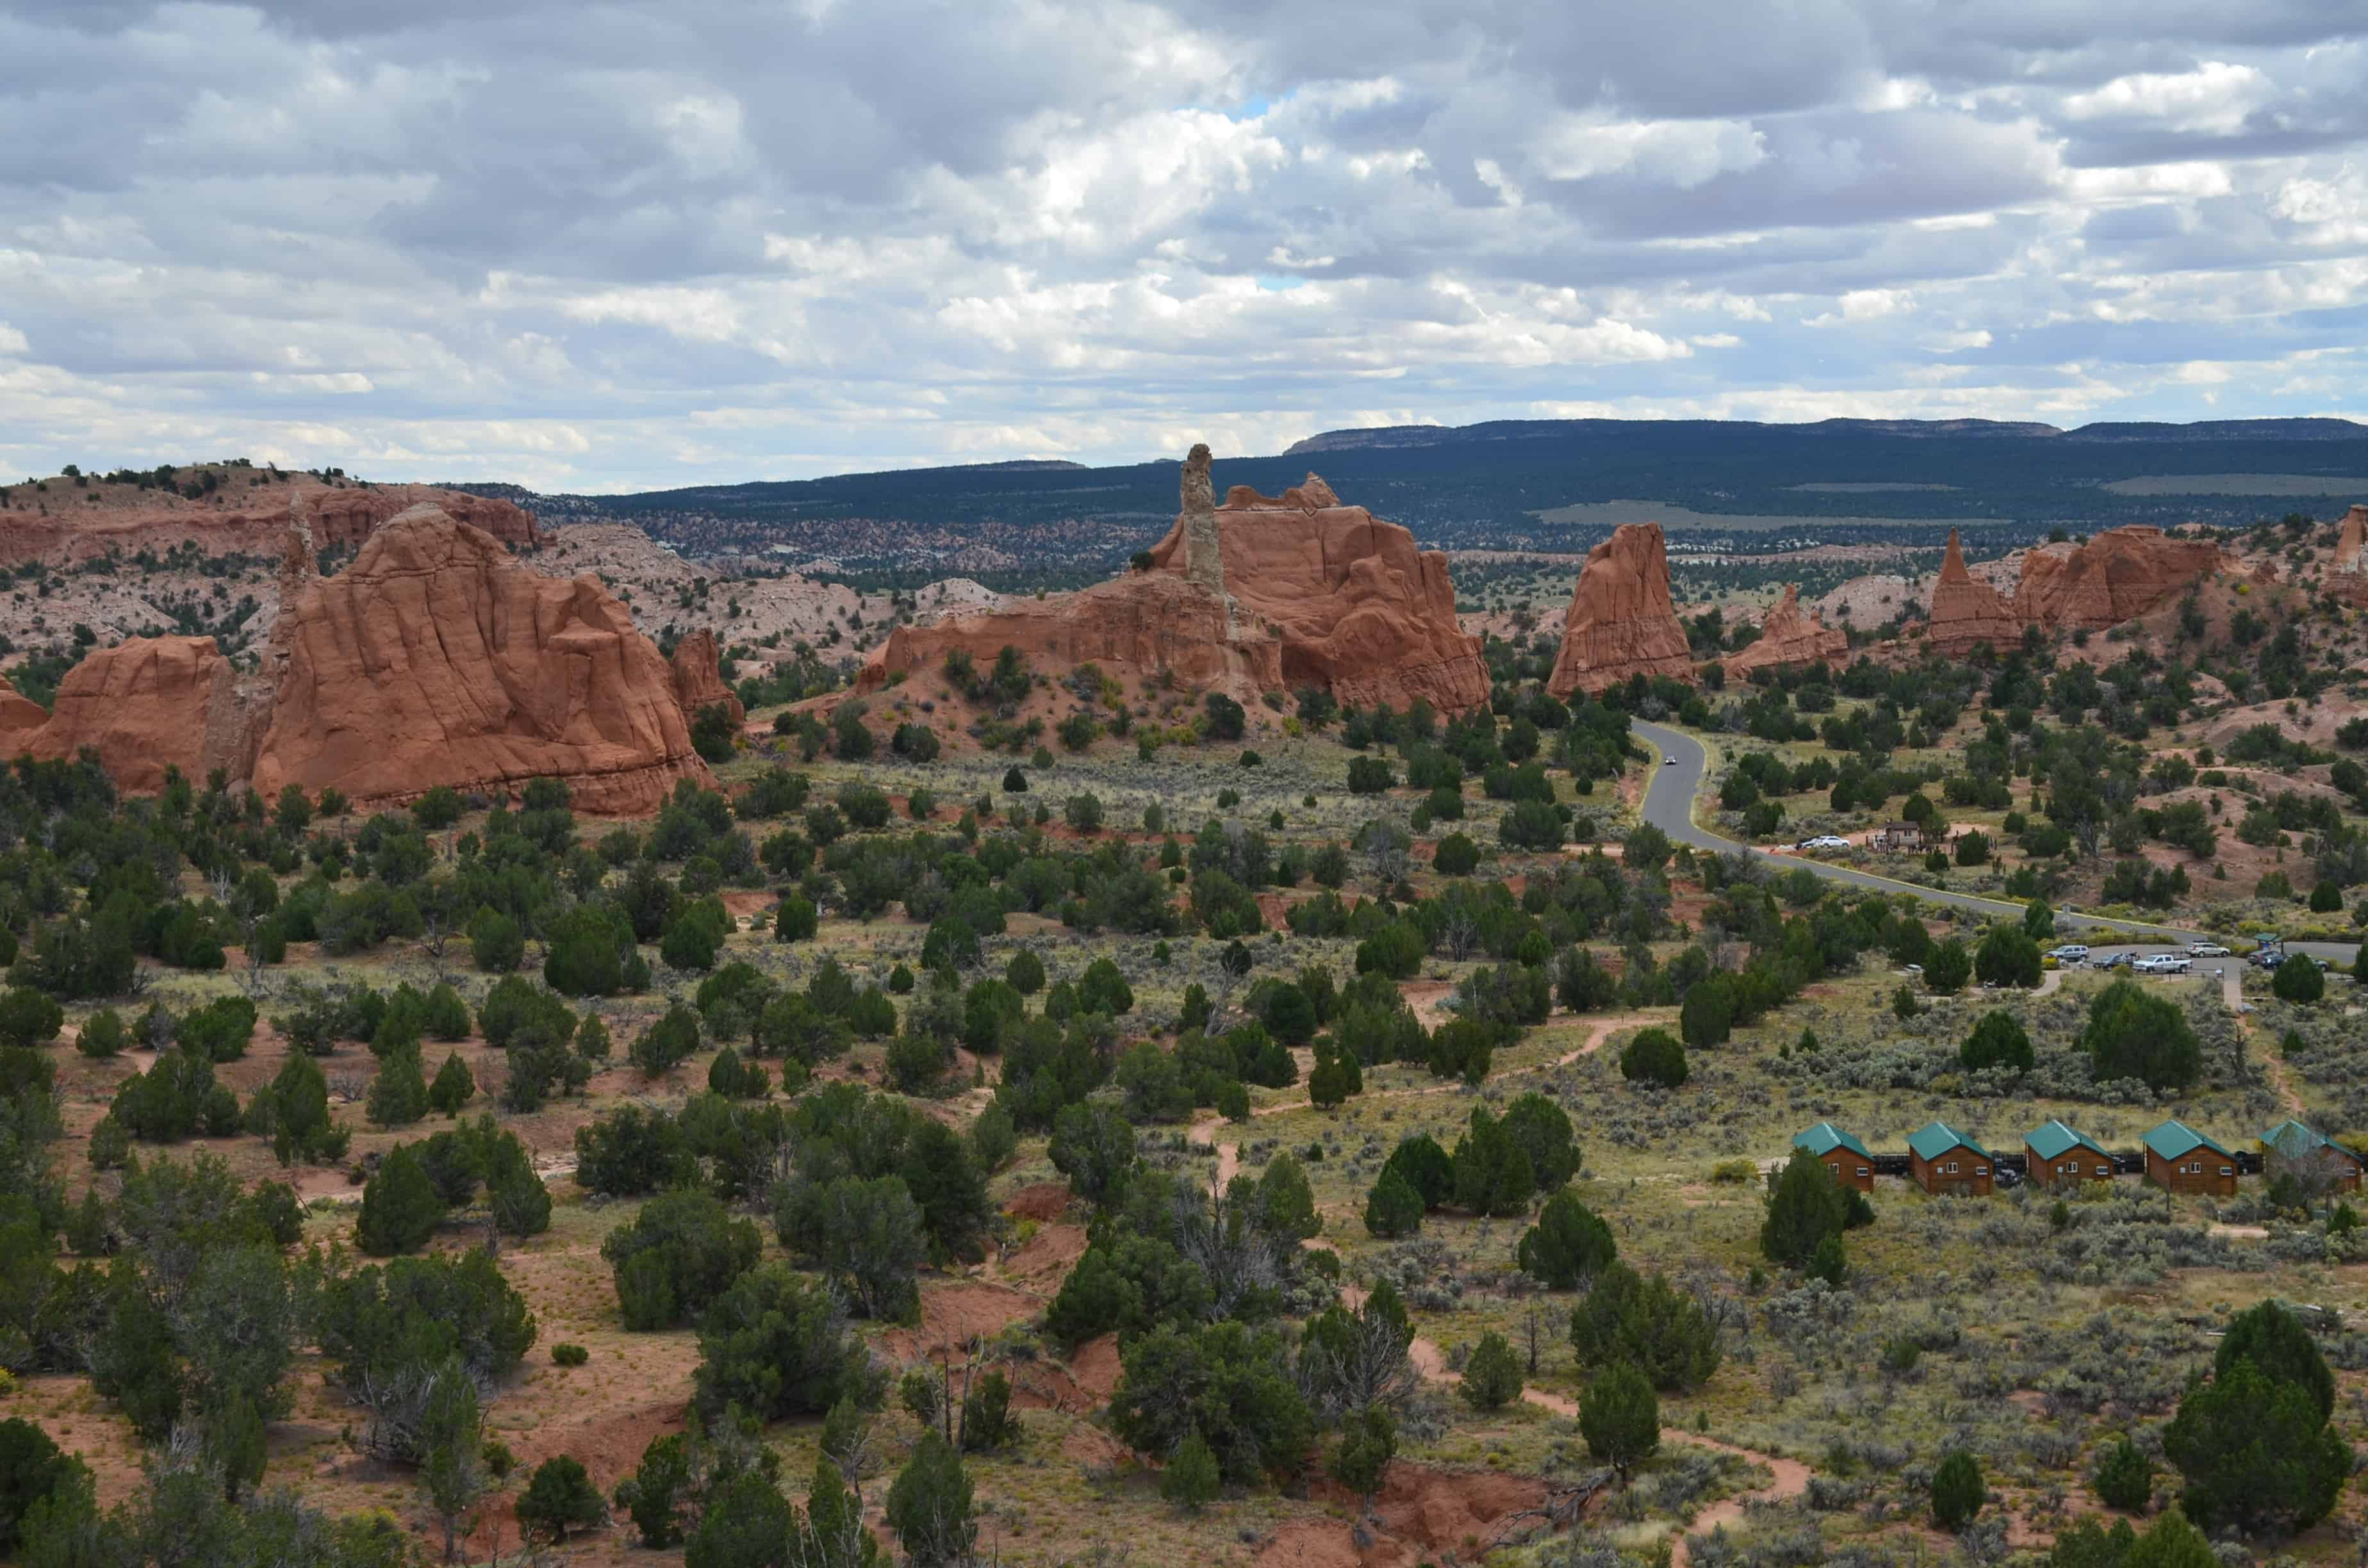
(434, 658)
(2116, 576)
(698, 671)
(144, 706)
(1262, 593)
(1790, 637)
(1359, 610)
(1966, 612)
(1621, 622)
(339, 516)
(1144, 623)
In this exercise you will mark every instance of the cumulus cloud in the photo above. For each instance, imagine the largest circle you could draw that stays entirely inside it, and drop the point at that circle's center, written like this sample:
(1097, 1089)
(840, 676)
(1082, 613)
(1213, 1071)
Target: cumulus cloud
(616, 247)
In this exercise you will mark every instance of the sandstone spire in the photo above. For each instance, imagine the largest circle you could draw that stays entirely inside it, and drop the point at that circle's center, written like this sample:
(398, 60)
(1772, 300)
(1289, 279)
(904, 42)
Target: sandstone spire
(1204, 556)
(1621, 622)
(1967, 612)
(1790, 637)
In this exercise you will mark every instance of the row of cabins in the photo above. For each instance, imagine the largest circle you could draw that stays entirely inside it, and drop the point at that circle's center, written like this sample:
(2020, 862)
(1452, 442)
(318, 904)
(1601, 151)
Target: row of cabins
(1940, 1159)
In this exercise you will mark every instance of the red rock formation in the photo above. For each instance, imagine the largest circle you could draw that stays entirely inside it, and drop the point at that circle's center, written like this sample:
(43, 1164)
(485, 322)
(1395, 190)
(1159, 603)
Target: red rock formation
(2347, 578)
(1300, 591)
(1621, 622)
(248, 521)
(1360, 611)
(143, 705)
(1145, 622)
(698, 668)
(2116, 576)
(1790, 637)
(435, 658)
(18, 714)
(1967, 613)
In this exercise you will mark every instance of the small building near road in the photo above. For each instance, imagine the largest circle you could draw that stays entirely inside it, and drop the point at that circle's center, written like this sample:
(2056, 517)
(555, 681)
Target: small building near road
(2061, 1156)
(2324, 1165)
(1897, 836)
(1943, 1159)
(1843, 1154)
(2183, 1159)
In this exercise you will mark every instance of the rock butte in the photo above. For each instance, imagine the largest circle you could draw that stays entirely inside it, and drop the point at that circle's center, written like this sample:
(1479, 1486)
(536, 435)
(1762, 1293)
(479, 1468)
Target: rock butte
(1621, 622)
(142, 705)
(1966, 612)
(1300, 590)
(433, 659)
(1790, 637)
(253, 525)
(2118, 575)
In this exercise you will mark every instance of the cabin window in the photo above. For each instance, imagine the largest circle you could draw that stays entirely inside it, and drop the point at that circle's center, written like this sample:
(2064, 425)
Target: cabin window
(2104, 1170)
(1861, 1170)
(2227, 1170)
(1981, 1170)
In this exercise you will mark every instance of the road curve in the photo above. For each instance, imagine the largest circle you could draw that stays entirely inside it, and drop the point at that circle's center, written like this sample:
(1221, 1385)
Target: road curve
(1670, 796)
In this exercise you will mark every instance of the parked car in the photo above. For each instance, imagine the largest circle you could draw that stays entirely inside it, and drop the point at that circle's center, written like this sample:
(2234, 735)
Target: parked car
(1669, 762)
(2161, 963)
(2207, 950)
(1824, 841)
(2110, 960)
(2070, 953)
(2269, 958)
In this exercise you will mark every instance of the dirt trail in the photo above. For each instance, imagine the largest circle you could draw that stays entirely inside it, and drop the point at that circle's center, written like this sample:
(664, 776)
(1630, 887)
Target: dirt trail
(1604, 1029)
(1229, 1155)
(1792, 1477)
(2273, 1063)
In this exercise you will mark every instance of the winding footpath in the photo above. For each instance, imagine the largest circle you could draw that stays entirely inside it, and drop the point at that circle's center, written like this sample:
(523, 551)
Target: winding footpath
(1791, 1477)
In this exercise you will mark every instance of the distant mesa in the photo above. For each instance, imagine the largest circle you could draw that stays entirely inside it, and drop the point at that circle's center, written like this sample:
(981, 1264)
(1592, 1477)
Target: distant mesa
(1790, 637)
(1261, 594)
(433, 659)
(1621, 622)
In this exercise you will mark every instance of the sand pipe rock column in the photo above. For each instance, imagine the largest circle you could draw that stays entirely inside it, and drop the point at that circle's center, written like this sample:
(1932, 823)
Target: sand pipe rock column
(1204, 558)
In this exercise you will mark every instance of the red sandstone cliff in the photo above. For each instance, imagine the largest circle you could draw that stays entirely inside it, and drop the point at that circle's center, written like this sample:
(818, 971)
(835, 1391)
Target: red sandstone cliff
(1621, 622)
(1966, 612)
(1790, 637)
(1298, 590)
(2116, 576)
(142, 705)
(1362, 611)
(435, 658)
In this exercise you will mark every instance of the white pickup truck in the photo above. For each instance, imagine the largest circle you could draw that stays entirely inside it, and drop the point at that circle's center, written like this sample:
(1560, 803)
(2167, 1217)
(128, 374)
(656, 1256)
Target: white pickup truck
(2161, 963)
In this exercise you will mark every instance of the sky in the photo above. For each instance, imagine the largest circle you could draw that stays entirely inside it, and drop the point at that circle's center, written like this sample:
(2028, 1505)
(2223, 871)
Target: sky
(589, 246)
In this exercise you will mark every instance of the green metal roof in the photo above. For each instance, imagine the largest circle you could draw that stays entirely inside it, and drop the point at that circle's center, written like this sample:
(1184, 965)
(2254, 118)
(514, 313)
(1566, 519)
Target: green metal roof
(1825, 1138)
(1935, 1138)
(2174, 1140)
(2295, 1140)
(2055, 1139)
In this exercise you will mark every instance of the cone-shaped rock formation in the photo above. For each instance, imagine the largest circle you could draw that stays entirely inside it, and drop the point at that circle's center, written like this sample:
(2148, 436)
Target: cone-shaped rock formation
(1621, 622)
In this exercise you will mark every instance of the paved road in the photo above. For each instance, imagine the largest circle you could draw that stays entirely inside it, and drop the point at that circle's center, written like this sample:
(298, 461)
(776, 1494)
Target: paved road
(1670, 804)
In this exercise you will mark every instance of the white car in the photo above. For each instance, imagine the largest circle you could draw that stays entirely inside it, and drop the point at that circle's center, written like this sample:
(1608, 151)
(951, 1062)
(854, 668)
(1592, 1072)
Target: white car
(1829, 841)
(2160, 963)
(2207, 950)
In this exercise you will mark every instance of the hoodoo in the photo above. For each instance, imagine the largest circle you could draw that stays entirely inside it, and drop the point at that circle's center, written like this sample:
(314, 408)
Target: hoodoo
(1621, 622)
(1789, 638)
(1262, 593)
(436, 659)
(1967, 612)
(697, 669)
(2116, 576)
(2348, 576)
